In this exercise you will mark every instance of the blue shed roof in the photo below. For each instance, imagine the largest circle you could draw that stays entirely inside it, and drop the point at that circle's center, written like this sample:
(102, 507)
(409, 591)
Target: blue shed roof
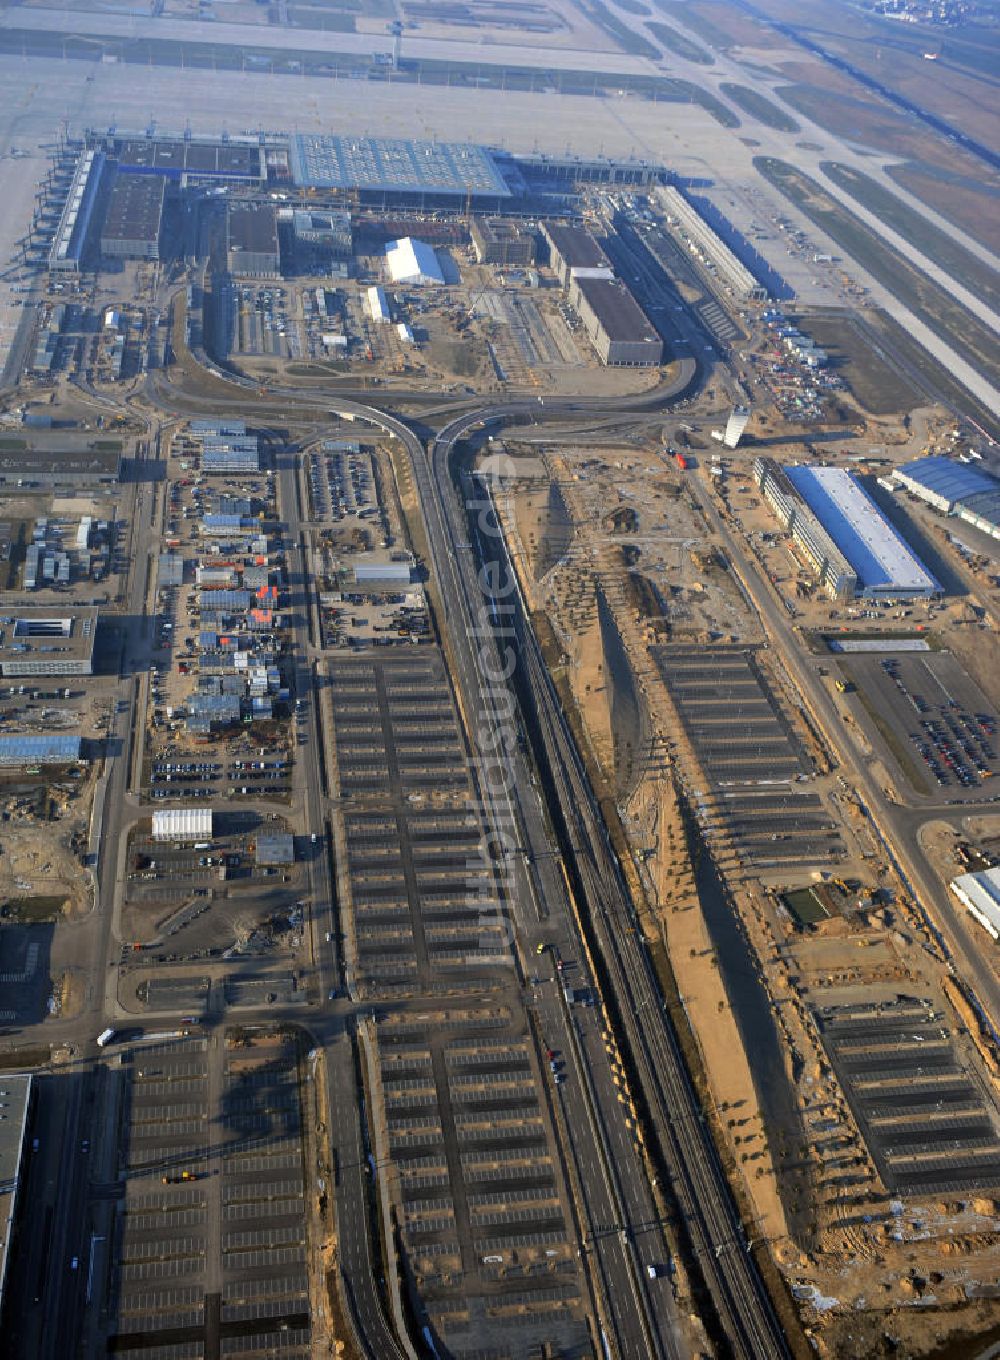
(954, 481)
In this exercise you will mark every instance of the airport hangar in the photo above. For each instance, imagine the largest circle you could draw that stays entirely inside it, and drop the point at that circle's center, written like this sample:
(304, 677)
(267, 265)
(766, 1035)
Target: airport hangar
(956, 489)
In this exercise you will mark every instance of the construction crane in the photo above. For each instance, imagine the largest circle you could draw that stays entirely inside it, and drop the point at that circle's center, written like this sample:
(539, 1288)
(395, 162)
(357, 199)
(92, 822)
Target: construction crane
(463, 323)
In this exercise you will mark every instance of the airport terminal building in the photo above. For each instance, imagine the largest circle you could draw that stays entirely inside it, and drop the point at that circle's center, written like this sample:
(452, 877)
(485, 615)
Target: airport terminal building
(133, 218)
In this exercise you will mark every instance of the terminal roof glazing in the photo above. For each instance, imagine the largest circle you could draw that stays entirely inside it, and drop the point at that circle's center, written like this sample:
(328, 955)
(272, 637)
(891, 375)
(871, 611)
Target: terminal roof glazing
(395, 164)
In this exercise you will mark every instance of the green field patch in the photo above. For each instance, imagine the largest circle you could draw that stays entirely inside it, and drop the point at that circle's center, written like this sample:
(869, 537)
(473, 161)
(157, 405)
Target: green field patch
(968, 202)
(942, 386)
(627, 38)
(966, 268)
(753, 103)
(806, 906)
(686, 14)
(34, 910)
(678, 44)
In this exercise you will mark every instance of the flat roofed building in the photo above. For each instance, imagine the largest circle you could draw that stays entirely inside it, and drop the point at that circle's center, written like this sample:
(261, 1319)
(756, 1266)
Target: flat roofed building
(43, 643)
(574, 249)
(834, 572)
(17, 1103)
(60, 466)
(170, 570)
(54, 748)
(133, 218)
(886, 567)
(191, 158)
(252, 249)
(383, 571)
(327, 232)
(411, 261)
(980, 895)
(398, 167)
(274, 847)
(618, 328)
(182, 824)
(497, 240)
(230, 453)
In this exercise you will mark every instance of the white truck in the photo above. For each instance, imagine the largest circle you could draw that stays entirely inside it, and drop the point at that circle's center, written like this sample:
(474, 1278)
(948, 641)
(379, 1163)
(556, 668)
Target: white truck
(105, 1037)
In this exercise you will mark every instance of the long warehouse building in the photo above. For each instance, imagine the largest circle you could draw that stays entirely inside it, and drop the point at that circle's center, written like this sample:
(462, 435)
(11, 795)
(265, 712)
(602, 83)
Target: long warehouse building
(886, 567)
(722, 264)
(835, 574)
(969, 494)
(618, 328)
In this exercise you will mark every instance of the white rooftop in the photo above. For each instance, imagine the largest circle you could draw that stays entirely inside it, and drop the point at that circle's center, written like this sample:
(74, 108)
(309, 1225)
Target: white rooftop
(980, 895)
(412, 261)
(883, 562)
(182, 824)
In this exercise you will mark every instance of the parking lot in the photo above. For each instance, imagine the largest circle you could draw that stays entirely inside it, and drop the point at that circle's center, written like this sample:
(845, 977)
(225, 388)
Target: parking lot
(923, 1117)
(420, 887)
(753, 758)
(479, 1198)
(211, 1236)
(261, 324)
(937, 724)
(483, 1219)
(342, 482)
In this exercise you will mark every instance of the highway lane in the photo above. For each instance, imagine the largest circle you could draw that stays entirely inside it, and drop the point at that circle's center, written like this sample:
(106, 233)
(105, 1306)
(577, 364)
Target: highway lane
(639, 1328)
(710, 1212)
(635, 1334)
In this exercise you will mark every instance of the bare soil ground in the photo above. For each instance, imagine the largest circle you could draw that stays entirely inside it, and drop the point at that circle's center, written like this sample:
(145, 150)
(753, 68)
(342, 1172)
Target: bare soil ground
(38, 860)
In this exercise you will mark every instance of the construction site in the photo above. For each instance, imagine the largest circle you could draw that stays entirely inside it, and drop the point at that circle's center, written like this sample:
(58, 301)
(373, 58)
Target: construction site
(771, 900)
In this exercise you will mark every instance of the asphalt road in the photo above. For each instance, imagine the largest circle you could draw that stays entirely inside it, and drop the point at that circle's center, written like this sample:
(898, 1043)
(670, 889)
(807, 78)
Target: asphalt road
(623, 1232)
(895, 826)
(710, 1213)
